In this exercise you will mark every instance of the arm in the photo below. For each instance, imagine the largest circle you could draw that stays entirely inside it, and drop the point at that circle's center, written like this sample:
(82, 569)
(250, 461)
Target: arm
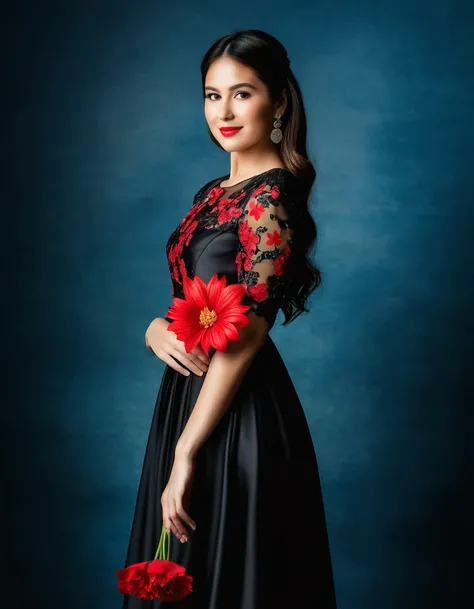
(223, 378)
(264, 248)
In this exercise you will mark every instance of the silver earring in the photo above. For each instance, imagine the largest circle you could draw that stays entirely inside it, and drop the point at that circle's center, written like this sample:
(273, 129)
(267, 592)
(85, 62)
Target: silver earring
(276, 134)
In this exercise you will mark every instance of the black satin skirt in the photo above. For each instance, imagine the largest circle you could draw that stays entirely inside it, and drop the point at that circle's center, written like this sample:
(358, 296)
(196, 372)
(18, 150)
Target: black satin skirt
(261, 539)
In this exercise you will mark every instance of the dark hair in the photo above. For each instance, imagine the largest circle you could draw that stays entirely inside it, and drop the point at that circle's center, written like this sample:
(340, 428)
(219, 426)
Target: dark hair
(268, 58)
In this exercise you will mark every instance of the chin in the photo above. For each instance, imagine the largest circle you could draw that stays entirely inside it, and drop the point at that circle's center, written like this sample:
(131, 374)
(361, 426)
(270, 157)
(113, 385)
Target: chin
(234, 146)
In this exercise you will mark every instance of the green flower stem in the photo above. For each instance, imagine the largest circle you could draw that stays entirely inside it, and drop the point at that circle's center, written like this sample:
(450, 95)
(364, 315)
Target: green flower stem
(163, 550)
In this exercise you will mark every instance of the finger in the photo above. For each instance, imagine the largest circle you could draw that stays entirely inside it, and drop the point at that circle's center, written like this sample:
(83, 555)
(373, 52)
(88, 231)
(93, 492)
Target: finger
(201, 354)
(202, 365)
(197, 353)
(173, 364)
(185, 516)
(176, 521)
(187, 362)
(175, 531)
(167, 521)
(170, 527)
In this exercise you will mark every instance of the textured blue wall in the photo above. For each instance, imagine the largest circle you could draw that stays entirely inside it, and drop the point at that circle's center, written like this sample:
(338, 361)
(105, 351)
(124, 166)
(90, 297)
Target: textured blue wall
(108, 145)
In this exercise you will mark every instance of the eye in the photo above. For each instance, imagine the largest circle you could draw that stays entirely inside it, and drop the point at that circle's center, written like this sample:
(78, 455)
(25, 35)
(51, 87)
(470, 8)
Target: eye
(245, 93)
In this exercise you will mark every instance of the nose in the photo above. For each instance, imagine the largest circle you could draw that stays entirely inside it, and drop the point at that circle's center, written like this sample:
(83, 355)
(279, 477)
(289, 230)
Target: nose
(225, 110)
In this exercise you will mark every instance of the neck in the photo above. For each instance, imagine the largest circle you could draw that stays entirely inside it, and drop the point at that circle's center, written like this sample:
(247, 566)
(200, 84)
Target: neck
(247, 163)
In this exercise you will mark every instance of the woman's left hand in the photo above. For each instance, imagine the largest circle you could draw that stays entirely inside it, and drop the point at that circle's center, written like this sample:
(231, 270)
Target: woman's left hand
(174, 500)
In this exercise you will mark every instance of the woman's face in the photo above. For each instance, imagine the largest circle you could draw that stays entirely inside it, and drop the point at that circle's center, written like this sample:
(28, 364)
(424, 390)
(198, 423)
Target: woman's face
(231, 103)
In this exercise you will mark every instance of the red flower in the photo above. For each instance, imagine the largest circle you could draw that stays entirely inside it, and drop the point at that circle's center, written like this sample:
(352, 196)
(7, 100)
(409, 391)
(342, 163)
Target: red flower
(274, 238)
(247, 236)
(210, 314)
(279, 265)
(275, 192)
(226, 214)
(213, 195)
(280, 261)
(134, 579)
(258, 190)
(256, 210)
(159, 578)
(259, 292)
(238, 261)
(168, 581)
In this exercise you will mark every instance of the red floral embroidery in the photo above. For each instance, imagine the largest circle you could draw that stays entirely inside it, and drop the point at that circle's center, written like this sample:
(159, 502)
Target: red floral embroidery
(226, 214)
(259, 292)
(274, 238)
(213, 195)
(275, 192)
(225, 211)
(258, 190)
(247, 237)
(256, 210)
(280, 262)
(264, 247)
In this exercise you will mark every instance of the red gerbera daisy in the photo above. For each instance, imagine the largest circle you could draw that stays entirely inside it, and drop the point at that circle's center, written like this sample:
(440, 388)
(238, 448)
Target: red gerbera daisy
(209, 314)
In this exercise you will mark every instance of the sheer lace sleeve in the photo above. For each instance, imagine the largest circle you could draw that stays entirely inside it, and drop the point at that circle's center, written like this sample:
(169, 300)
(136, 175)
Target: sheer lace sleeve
(264, 247)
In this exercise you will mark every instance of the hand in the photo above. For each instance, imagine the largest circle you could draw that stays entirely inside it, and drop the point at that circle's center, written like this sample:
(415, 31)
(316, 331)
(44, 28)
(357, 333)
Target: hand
(174, 500)
(165, 344)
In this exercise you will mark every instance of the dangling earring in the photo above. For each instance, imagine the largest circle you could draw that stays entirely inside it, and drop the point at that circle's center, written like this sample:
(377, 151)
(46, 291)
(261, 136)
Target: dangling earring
(276, 134)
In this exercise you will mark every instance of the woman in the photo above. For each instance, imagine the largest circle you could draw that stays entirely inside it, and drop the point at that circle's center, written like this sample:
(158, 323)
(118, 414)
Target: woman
(230, 459)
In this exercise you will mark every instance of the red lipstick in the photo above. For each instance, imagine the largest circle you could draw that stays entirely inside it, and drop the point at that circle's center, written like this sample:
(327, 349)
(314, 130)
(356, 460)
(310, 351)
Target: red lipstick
(229, 131)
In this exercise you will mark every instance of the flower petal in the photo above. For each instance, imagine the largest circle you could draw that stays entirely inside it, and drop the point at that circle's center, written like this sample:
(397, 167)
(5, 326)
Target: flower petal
(236, 316)
(214, 289)
(230, 296)
(194, 339)
(182, 307)
(206, 341)
(183, 329)
(218, 337)
(230, 330)
(195, 291)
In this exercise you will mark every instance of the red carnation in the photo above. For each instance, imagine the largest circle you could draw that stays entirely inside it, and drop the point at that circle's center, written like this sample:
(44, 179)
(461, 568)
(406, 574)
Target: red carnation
(209, 314)
(134, 579)
(159, 578)
(168, 580)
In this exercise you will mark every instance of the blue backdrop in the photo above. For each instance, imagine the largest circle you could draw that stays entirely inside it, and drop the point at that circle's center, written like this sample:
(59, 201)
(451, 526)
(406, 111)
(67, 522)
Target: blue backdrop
(107, 145)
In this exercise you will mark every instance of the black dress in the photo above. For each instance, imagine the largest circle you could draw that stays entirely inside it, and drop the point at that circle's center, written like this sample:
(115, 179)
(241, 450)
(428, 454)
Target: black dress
(261, 538)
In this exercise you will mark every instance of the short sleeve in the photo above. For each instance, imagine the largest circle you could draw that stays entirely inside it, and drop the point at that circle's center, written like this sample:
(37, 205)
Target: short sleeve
(264, 248)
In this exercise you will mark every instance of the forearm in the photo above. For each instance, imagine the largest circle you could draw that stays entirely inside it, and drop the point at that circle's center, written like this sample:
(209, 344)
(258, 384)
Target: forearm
(223, 377)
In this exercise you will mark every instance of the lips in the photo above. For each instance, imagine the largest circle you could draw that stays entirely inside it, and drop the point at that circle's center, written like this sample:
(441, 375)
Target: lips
(228, 131)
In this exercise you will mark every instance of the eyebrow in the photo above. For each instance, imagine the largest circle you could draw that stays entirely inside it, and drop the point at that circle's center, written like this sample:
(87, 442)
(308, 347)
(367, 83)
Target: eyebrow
(240, 84)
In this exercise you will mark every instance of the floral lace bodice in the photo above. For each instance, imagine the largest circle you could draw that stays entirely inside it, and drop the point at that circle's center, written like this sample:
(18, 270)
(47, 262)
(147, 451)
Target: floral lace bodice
(244, 231)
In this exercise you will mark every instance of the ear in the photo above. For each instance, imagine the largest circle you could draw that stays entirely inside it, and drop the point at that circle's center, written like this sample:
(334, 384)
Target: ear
(282, 104)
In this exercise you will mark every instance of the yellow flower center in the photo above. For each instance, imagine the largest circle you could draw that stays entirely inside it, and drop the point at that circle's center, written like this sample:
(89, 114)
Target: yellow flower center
(207, 318)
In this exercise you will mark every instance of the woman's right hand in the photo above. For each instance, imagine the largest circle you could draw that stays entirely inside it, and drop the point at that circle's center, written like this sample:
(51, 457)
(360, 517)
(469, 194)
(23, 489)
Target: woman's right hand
(165, 344)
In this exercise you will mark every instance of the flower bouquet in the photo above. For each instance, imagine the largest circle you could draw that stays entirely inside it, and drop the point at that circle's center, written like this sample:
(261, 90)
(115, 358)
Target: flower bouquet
(159, 578)
(209, 314)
